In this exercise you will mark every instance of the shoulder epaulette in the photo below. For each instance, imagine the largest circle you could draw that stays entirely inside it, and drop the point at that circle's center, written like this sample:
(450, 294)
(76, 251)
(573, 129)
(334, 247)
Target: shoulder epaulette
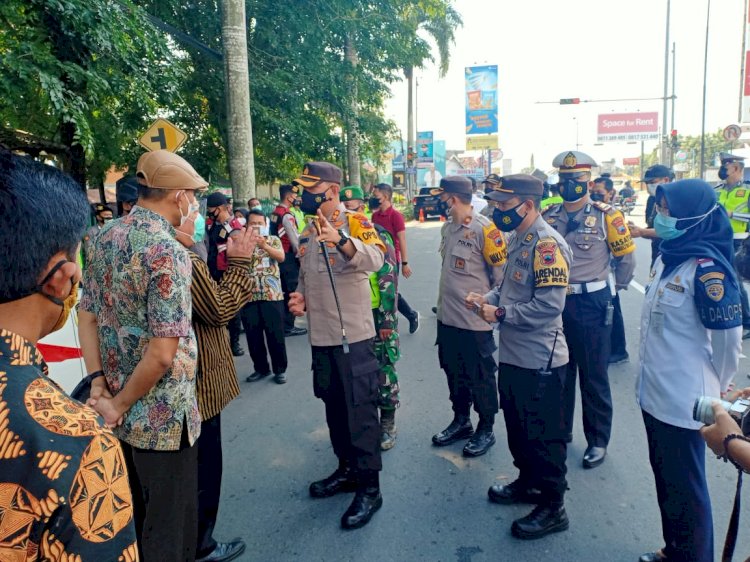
(604, 207)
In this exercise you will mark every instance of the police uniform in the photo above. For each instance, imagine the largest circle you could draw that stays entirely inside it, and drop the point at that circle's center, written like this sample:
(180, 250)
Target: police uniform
(690, 346)
(89, 238)
(596, 233)
(734, 198)
(283, 223)
(533, 357)
(346, 382)
(473, 255)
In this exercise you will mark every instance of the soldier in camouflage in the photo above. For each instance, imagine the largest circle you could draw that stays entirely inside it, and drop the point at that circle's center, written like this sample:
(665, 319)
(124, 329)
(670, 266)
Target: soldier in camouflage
(384, 292)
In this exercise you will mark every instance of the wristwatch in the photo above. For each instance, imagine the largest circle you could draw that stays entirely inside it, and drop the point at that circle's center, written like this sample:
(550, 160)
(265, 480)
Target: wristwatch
(500, 313)
(344, 239)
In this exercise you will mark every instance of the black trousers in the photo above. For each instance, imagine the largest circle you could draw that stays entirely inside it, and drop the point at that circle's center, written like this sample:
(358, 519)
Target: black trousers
(618, 345)
(466, 358)
(743, 292)
(289, 270)
(209, 483)
(235, 328)
(534, 413)
(165, 511)
(588, 344)
(348, 385)
(678, 460)
(264, 324)
(404, 308)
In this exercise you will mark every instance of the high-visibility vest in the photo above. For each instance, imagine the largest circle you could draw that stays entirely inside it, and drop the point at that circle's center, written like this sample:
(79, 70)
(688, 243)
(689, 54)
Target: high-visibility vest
(374, 291)
(730, 199)
(552, 200)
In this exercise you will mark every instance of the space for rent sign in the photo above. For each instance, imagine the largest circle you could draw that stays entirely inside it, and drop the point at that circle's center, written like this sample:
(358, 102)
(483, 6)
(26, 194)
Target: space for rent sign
(627, 126)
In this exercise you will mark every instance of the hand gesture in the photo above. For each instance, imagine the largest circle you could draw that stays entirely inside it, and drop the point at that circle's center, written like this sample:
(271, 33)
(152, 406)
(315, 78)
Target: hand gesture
(107, 409)
(326, 232)
(406, 271)
(242, 244)
(487, 312)
(472, 300)
(635, 231)
(715, 433)
(297, 304)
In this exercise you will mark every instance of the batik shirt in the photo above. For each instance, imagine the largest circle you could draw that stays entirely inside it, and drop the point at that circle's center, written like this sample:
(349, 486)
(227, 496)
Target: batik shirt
(138, 287)
(266, 272)
(64, 492)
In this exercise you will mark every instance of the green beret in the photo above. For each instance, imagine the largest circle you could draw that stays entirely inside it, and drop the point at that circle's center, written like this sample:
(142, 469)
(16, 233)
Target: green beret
(352, 192)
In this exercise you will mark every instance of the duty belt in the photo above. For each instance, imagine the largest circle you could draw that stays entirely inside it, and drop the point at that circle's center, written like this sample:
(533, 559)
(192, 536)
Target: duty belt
(583, 288)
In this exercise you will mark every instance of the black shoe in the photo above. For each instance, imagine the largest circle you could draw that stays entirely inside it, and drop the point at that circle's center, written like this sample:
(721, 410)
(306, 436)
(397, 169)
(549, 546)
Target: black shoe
(515, 492)
(619, 358)
(543, 520)
(459, 428)
(256, 376)
(364, 505)
(224, 551)
(279, 378)
(342, 481)
(414, 322)
(657, 556)
(594, 456)
(479, 443)
(295, 332)
(237, 351)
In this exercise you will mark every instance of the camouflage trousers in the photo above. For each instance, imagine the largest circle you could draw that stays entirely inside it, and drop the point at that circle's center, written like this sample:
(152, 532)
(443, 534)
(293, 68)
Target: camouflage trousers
(387, 353)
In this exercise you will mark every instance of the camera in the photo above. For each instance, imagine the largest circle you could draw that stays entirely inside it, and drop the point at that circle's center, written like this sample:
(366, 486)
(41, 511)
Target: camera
(739, 410)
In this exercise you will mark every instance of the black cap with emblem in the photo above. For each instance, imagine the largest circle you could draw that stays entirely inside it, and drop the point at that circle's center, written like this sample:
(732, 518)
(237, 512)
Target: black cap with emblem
(523, 186)
(453, 184)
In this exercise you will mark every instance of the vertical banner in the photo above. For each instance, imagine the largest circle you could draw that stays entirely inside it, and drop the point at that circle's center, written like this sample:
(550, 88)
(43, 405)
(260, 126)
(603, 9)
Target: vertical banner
(424, 149)
(481, 99)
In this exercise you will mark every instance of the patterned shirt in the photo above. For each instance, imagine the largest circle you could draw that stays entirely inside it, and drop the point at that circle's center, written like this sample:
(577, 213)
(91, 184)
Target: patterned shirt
(64, 492)
(138, 287)
(266, 272)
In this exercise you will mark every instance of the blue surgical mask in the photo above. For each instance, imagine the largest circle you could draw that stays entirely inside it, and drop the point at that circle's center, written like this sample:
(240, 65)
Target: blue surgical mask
(723, 173)
(507, 220)
(597, 197)
(257, 208)
(666, 227)
(200, 228)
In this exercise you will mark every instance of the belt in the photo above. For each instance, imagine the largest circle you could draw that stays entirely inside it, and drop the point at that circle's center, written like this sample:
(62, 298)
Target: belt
(583, 288)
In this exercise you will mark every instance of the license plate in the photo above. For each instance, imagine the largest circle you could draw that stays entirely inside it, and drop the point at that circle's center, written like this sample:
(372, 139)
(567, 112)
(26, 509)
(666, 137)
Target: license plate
(429, 208)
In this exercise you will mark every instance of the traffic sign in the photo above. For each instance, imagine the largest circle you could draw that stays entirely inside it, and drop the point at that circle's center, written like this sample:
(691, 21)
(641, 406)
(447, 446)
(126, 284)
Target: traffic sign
(680, 156)
(732, 133)
(162, 135)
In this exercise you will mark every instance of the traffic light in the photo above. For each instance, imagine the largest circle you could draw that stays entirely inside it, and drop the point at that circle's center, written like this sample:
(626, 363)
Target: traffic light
(570, 101)
(673, 142)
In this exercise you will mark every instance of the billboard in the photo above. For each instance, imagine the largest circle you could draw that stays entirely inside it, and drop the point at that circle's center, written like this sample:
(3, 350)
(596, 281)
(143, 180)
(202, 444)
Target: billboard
(424, 149)
(627, 126)
(631, 161)
(481, 142)
(481, 99)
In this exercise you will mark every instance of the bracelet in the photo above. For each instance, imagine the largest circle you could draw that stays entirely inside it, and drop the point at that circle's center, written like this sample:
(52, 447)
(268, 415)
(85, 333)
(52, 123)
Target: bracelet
(404, 263)
(96, 374)
(726, 457)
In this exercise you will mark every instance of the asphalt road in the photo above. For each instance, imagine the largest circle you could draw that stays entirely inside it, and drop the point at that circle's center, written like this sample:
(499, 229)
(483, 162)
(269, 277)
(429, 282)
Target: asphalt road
(435, 504)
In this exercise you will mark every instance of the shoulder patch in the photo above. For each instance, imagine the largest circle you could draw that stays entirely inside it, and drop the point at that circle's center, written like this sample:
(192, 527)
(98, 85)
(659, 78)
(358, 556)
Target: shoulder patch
(550, 267)
(494, 248)
(618, 236)
(360, 228)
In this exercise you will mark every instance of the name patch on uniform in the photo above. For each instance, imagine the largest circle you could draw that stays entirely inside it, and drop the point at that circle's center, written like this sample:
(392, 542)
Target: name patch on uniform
(673, 287)
(550, 268)
(464, 243)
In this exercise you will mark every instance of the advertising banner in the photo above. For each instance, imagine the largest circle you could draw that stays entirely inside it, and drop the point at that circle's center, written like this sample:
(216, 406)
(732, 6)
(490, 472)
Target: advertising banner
(627, 126)
(424, 149)
(481, 142)
(481, 99)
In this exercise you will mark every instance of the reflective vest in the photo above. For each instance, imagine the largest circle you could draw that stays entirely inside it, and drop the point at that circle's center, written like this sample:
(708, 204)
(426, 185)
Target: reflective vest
(552, 200)
(299, 216)
(374, 291)
(731, 199)
(277, 228)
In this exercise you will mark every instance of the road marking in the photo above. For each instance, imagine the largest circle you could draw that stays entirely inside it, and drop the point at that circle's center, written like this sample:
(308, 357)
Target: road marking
(638, 287)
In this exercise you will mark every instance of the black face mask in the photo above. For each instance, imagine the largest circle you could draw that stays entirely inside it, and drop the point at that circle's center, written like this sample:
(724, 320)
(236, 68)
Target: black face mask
(444, 208)
(311, 202)
(507, 220)
(597, 197)
(572, 190)
(373, 203)
(723, 173)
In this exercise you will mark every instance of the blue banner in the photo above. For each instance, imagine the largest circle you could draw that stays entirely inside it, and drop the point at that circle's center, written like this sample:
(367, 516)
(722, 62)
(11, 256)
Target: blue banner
(424, 149)
(481, 100)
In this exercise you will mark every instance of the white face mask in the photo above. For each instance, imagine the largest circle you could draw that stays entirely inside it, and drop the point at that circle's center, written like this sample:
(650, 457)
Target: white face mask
(652, 188)
(193, 207)
(242, 220)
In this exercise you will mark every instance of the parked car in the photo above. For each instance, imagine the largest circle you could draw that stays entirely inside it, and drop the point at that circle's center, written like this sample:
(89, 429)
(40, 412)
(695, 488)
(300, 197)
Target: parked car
(427, 203)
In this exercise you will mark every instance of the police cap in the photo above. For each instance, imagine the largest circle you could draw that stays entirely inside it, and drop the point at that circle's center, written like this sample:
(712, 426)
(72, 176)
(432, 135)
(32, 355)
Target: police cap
(315, 172)
(352, 192)
(727, 158)
(518, 185)
(453, 184)
(573, 163)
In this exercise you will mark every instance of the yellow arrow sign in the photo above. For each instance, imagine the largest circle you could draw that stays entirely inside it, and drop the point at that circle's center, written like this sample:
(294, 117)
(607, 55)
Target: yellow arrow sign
(162, 135)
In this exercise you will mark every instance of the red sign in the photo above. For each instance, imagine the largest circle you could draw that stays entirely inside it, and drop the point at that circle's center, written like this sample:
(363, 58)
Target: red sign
(628, 126)
(631, 161)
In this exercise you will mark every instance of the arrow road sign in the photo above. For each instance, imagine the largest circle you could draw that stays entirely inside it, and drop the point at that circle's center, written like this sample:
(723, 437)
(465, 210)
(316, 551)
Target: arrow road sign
(162, 135)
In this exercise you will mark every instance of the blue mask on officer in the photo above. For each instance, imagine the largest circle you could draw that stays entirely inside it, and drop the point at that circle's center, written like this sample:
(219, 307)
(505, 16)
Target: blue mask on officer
(723, 173)
(572, 190)
(597, 197)
(507, 220)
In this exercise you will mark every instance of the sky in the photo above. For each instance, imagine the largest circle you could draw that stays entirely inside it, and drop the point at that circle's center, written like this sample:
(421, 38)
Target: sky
(591, 49)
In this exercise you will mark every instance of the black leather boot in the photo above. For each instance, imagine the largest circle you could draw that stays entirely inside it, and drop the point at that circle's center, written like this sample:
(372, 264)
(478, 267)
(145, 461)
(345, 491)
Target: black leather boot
(367, 500)
(543, 520)
(459, 428)
(483, 438)
(343, 480)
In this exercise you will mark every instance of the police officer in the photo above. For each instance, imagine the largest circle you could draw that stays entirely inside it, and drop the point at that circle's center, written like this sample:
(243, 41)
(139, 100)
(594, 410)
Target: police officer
(528, 307)
(473, 252)
(345, 377)
(383, 296)
(733, 196)
(487, 184)
(126, 192)
(654, 177)
(596, 234)
(284, 225)
(102, 215)
(551, 195)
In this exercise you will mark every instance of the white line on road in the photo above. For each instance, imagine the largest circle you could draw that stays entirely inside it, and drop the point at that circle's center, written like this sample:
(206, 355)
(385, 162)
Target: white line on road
(638, 287)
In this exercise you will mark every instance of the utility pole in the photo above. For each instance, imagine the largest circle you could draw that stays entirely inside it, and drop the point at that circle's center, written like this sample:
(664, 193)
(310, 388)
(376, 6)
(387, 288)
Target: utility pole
(742, 61)
(664, 147)
(236, 77)
(705, 77)
(674, 67)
